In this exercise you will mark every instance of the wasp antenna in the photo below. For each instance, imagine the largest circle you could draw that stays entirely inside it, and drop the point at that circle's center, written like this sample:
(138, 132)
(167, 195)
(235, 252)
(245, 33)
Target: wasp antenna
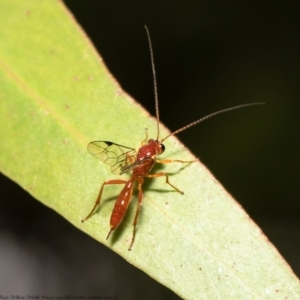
(154, 80)
(209, 116)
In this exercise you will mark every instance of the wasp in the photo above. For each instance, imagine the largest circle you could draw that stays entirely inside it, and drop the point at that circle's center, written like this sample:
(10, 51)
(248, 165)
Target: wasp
(139, 162)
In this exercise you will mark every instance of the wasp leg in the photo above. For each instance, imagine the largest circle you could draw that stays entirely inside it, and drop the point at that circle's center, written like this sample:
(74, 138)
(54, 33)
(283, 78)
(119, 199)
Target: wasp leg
(169, 161)
(160, 174)
(113, 181)
(138, 210)
(145, 141)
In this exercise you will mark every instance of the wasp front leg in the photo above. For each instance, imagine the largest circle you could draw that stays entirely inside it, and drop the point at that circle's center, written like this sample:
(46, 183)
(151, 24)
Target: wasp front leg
(169, 161)
(145, 141)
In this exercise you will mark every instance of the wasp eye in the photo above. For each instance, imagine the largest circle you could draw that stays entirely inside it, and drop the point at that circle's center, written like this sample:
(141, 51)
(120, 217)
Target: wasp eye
(162, 147)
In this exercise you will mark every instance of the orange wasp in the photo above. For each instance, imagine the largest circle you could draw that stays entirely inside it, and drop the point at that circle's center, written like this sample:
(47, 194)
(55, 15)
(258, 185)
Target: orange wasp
(123, 159)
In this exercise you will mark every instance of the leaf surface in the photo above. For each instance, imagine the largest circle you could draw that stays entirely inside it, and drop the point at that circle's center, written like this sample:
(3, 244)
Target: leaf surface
(56, 96)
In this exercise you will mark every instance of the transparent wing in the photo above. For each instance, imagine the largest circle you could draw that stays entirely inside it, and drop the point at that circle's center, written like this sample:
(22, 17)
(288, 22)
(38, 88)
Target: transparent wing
(114, 155)
(129, 167)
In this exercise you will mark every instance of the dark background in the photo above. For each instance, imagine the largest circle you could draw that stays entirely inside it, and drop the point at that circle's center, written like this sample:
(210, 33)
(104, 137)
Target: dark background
(209, 55)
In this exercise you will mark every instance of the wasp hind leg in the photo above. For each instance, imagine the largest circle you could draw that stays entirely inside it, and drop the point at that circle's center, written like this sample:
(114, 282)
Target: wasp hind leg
(138, 210)
(113, 181)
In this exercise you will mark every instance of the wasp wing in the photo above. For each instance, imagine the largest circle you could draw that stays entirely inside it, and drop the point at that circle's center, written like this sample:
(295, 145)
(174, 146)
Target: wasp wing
(139, 163)
(114, 155)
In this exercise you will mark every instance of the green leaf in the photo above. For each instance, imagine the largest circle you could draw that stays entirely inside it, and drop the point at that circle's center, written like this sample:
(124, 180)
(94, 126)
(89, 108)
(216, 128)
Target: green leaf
(56, 96)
